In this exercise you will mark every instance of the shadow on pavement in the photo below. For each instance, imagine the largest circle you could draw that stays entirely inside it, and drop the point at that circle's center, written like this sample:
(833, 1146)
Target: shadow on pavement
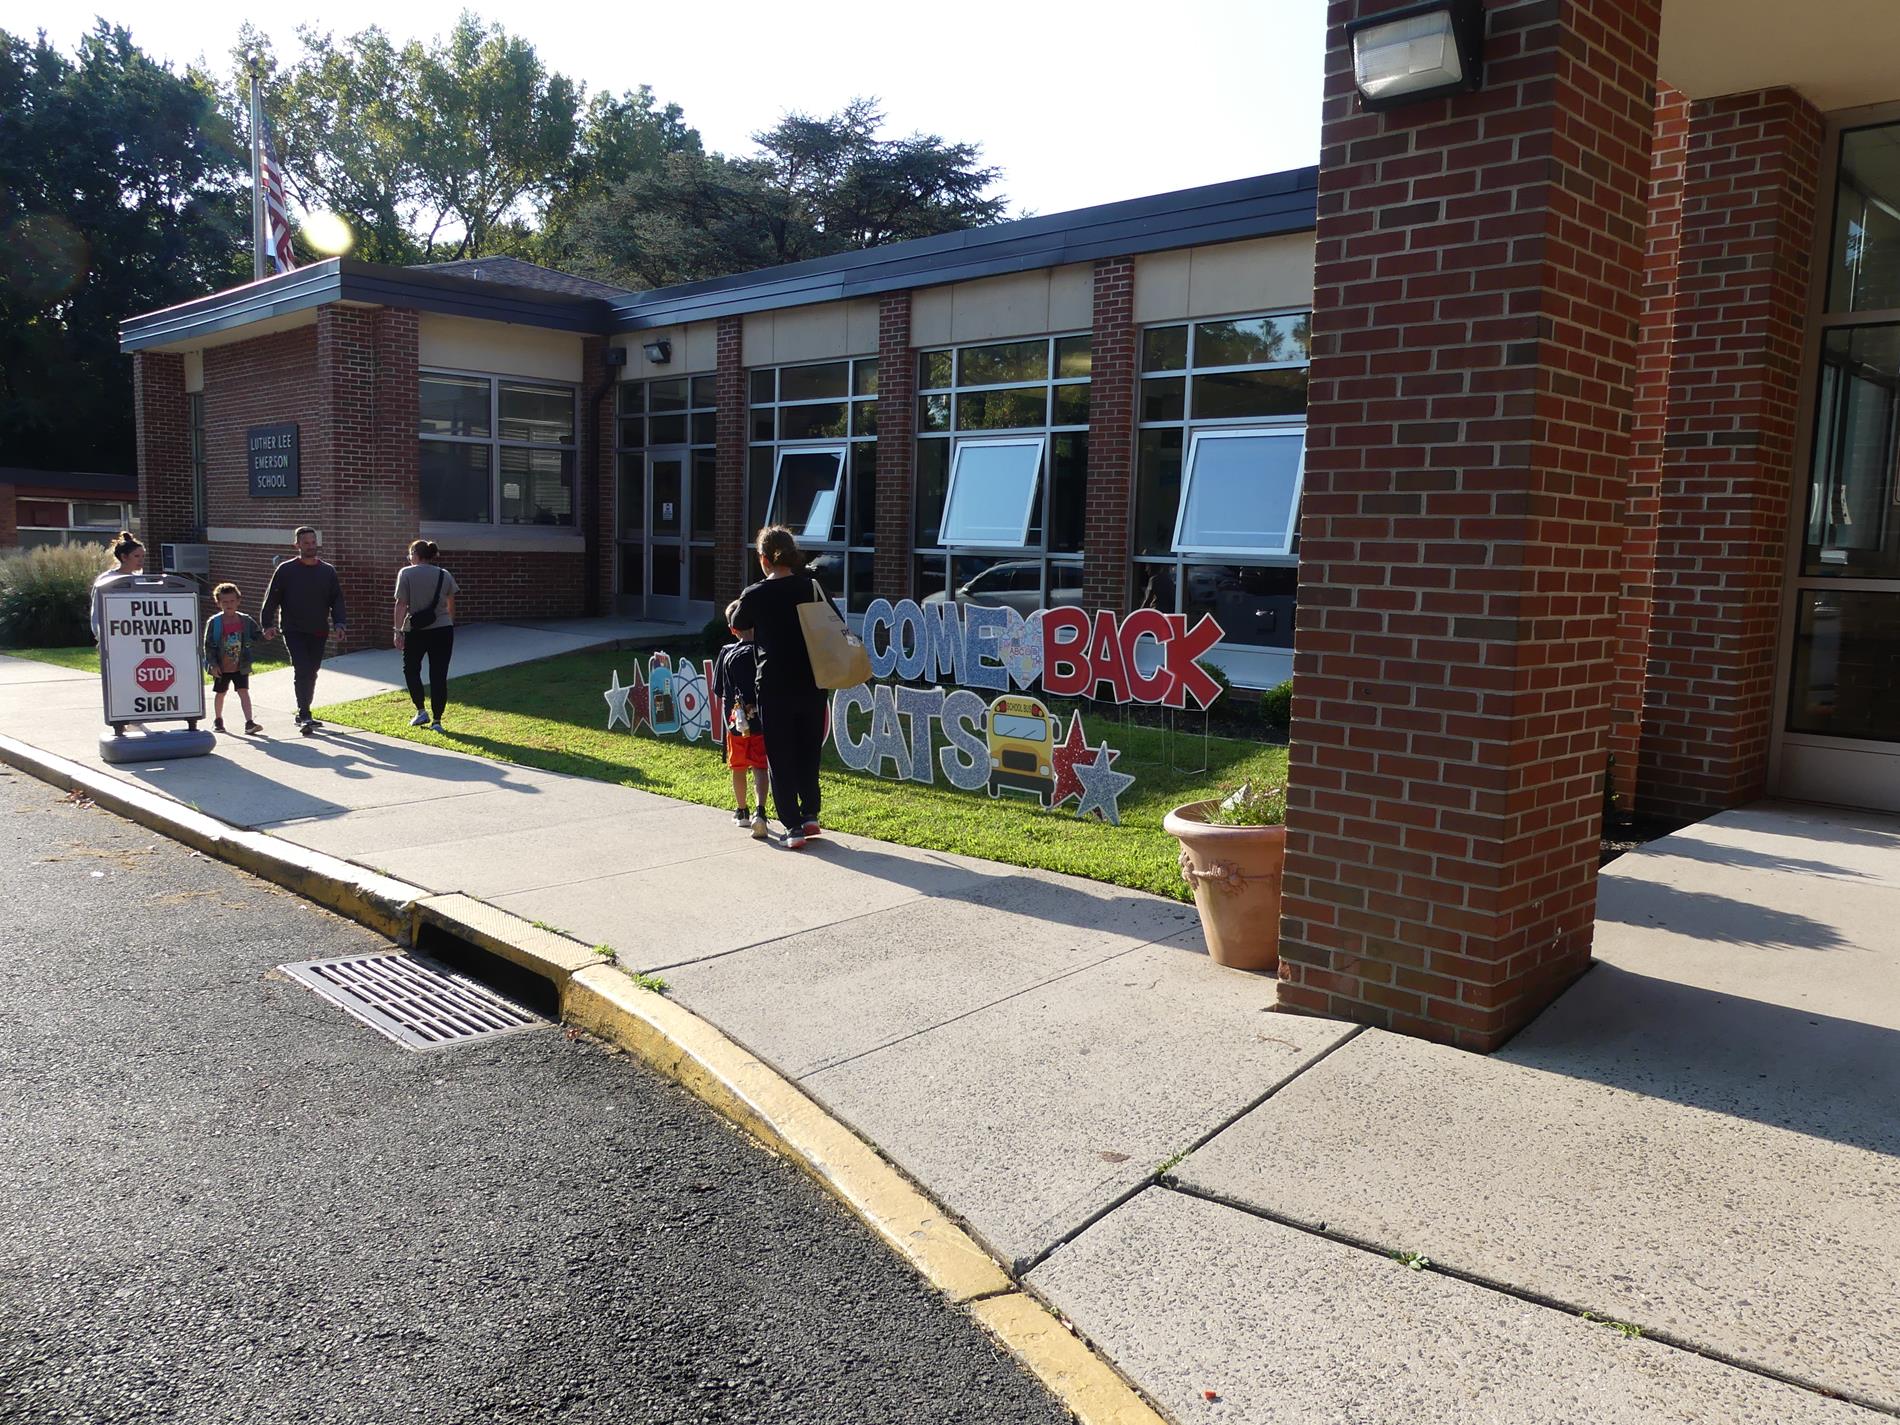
(1704, 915)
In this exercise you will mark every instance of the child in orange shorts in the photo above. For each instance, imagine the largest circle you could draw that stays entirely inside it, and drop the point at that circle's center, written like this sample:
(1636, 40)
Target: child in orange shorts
(735, 681)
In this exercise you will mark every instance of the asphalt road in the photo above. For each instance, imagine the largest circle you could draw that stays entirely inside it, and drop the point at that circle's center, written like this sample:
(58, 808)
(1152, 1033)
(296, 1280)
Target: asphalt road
(222, 1199)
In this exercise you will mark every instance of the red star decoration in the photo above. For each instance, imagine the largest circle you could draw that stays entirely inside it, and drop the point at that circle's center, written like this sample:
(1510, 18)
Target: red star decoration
(637, 701)
(1062, 759)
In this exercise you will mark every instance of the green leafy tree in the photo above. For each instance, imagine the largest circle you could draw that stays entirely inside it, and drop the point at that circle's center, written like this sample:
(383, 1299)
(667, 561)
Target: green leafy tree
(817, 186)
(121, 191)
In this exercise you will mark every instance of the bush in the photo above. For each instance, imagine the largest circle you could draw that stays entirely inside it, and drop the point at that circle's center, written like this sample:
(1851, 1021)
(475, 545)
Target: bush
(715, 635)
(46, 595)
(1276, 704)
(1224, 683)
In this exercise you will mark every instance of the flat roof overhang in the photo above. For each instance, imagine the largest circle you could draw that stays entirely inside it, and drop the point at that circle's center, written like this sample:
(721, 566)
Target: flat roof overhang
(1268, 206)
(1840, 54)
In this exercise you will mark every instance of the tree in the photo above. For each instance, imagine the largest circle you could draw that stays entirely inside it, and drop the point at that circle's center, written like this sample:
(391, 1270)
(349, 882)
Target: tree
(121, 191)
(817, 186)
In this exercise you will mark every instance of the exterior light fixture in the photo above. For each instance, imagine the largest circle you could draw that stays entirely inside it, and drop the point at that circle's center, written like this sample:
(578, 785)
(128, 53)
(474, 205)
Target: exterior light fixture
(1420, 52)
(658, 352)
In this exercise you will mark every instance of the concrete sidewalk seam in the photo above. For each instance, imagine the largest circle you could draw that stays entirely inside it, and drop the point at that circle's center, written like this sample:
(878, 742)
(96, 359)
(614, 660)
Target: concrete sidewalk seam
(604, 999)
(788, 935)
(1661, 1338)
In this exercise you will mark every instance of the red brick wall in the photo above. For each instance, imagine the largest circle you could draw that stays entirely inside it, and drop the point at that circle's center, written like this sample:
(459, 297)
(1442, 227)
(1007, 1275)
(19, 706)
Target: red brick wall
(1654, 342)
(731, 570)
(268, 380)
(163, 423)
(496, 586)
(1111, 489)
(1476, 291)
(896, 445)
(1748, 215)
(9, 519)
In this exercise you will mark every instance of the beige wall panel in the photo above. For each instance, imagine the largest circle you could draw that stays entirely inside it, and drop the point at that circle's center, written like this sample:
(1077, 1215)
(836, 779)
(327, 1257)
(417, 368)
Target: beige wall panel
(466, 344)
(695, 350)
(755, 340)
(702, 348)
(194, 371)
(861, 327)
(1017, 305)
(1264, 275)
(931, 311)
(1161, 287)
(1072, 298)
(817, 333)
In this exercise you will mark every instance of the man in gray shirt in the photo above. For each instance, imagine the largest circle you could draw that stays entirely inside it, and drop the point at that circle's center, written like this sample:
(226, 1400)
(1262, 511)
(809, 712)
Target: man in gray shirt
(309, 596)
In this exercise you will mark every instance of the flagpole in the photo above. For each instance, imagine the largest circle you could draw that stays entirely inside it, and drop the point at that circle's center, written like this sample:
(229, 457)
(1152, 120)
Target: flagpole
(257, 176)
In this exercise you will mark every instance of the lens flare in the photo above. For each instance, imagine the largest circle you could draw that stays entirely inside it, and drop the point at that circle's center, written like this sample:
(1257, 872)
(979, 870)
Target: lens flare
(328, 233)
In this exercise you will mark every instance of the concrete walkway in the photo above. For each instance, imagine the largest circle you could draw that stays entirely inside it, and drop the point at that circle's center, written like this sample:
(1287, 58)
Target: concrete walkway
(1701, 1138)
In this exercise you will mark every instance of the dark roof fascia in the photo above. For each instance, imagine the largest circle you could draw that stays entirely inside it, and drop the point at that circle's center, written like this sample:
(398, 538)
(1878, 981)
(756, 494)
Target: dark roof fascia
(1225, 212)
(84, 481)
(347, 280)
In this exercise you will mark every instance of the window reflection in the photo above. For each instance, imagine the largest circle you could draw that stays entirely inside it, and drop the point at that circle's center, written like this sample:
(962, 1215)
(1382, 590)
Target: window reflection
(1846, 677)
(1865, 275)
(1852, 529)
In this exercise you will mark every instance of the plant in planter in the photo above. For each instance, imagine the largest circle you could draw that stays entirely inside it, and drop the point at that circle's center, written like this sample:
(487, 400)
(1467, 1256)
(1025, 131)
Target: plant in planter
(1233, 851)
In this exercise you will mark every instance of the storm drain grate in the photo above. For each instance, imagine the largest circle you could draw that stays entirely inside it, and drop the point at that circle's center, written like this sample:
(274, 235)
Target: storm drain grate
(411, 1003)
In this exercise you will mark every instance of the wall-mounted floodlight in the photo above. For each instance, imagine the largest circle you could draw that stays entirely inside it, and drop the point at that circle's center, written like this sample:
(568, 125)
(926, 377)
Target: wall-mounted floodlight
(1420, 52)
(659, 352)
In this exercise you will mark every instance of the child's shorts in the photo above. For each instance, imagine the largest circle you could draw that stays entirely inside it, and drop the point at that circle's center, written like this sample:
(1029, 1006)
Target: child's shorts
(743, 751)
(221, 681)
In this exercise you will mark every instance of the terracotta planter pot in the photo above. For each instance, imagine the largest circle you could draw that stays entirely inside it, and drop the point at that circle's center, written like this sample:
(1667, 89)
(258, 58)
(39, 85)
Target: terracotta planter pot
(1235, 872)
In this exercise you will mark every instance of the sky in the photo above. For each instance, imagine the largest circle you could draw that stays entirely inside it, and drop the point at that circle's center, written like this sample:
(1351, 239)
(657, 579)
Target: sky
(1078, 103)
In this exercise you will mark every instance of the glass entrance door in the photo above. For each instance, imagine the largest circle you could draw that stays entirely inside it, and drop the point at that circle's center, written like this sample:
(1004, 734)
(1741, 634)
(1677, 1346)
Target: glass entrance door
(668, 491)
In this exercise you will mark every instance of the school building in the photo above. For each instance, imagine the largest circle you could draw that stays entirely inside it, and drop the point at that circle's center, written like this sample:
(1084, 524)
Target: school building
(1561, 399)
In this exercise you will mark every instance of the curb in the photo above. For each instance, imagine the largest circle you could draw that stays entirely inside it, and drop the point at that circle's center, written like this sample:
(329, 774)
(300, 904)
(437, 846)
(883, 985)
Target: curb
(604, 1000)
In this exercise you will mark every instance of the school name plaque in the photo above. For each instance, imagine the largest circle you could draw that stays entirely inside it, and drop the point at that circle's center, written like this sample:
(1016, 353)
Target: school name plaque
(272, 453)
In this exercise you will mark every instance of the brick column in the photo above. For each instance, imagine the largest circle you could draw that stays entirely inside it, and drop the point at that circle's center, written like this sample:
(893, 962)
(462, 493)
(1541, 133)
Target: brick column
(1650, 403)
(1109, 513)
(9, 518)
(896, 446)
(363, 455)
(732, 571)
(163, 421)
(1748, 215)
(1476, 282)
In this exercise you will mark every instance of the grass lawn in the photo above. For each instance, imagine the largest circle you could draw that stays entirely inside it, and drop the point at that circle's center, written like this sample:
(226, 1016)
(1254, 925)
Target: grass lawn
(267, 655)
(550, 714)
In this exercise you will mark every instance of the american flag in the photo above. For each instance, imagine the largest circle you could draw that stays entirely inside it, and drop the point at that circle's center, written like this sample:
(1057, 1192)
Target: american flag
(276, 212)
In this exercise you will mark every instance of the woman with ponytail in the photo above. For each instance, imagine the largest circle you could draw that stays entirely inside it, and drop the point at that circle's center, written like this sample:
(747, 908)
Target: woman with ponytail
(425, 627)
(128, 558)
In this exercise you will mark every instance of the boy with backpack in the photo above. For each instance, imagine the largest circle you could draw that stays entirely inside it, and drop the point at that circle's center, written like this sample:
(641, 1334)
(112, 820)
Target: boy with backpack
(230, 639)
(735, 683)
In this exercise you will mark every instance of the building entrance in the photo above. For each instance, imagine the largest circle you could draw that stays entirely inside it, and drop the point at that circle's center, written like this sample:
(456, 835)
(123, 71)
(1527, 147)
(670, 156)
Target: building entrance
(665, 535)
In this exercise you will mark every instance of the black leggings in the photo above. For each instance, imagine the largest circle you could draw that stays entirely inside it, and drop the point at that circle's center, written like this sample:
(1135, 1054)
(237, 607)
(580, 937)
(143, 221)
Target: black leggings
(306, 656)
(794, 738)
(438, 644)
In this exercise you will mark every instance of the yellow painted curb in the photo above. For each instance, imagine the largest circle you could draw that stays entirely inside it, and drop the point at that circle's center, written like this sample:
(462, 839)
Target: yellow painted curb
(688, 1050)
(1074, 1374)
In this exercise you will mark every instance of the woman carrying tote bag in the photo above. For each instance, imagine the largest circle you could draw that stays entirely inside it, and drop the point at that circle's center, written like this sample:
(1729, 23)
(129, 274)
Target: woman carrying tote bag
(792, 704)
(425, 627)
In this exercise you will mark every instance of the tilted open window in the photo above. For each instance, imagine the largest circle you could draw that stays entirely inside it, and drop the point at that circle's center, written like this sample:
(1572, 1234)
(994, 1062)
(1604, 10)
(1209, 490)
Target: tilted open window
(808, 492)
(1240, 492)
(992, 495)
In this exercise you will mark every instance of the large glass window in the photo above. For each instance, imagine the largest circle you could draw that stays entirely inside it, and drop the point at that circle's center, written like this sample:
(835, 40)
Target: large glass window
(1865, 272)
(1846, 680)
(652, 416)
(813, 467)
(1852, 526)
(494, 450)
(1219, 465)
(1002, 468)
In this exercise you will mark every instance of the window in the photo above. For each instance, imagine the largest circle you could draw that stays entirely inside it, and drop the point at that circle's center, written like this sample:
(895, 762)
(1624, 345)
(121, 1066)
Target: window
(55, 522)
(1219, 466)
(992, 495)
(195, 419)
(496, 450)
(1241, 493)
(1002, 465)
(1865, 271)
(813, 466)
(659, 541)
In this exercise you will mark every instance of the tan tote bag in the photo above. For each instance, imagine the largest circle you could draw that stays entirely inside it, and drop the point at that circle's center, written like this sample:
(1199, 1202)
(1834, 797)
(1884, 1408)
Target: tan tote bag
(838, 658)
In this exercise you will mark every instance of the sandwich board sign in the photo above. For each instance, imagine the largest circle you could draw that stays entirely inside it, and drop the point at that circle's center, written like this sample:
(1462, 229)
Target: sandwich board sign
(151, 663)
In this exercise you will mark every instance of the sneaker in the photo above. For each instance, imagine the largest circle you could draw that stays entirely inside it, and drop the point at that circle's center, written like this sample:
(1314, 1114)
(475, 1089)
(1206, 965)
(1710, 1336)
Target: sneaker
(301, 718)
(741, 818)
(309, 721)
(217, 724)
(812, 828)
(421, 719)
(435, 725)
(796, 841)
(253, 728)
(759, 829)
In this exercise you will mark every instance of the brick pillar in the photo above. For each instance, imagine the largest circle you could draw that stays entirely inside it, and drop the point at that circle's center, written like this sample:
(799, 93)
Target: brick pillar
(1748, 215)
(1650, 403)
(733, 571)
(9, 518)
(1111, 488)
(163, 421)
(1476, 284)
(363, 456)
(896, 446)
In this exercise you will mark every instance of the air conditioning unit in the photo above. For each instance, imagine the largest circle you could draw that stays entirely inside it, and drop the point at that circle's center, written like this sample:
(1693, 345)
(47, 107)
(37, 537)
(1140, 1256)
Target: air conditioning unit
(185, 558)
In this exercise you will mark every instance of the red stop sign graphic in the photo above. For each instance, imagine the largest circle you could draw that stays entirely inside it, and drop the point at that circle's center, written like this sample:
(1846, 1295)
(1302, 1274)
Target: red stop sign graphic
(155, 675)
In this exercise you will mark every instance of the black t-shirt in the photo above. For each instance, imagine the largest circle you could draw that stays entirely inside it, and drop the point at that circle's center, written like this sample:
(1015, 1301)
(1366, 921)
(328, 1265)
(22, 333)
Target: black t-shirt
(770, 609)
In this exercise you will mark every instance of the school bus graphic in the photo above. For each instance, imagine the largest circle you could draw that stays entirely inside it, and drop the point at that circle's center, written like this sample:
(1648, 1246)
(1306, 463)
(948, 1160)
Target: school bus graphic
(1022, 735)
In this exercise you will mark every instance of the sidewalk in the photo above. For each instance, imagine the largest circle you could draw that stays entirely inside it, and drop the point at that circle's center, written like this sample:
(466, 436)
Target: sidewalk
(1702, 1137)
